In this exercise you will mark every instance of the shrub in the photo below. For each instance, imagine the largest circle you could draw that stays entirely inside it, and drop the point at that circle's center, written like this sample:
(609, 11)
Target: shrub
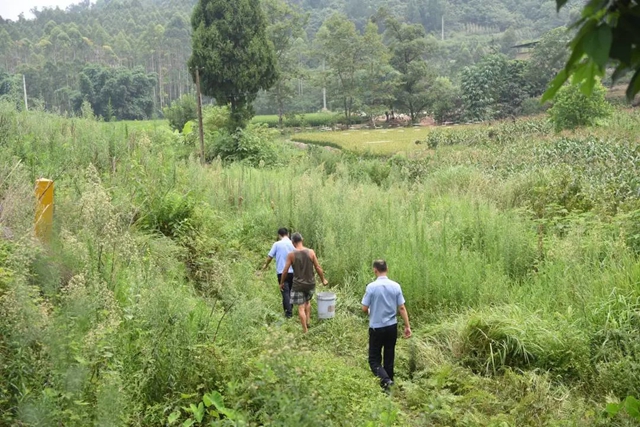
(278, 389)
(254, 145)
(448, 101)
(170, 214)
(181, 111)
(573, 109)
(214, 118)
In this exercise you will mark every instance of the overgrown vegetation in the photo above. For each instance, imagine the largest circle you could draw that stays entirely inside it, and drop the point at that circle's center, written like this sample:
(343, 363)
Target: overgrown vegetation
(517, 250)
(572, 108)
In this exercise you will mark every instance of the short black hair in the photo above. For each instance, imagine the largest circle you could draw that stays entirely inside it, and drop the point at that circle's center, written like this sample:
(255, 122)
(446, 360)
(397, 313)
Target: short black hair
(283, 232)
(296, 237)
(380, 265)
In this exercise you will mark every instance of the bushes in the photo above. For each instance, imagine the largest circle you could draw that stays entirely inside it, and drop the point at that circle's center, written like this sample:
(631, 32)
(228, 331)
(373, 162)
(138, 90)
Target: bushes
(309, 389)
(171, 214)
(181, 111)
(254, 145)
(447, 106)
(572, 108)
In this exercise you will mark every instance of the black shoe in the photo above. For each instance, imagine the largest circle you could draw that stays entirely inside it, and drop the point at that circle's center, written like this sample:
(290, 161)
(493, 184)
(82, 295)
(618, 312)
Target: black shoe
(386, 383)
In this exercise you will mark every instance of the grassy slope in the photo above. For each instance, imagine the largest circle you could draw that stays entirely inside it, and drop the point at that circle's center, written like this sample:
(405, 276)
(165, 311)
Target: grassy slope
(124, 326)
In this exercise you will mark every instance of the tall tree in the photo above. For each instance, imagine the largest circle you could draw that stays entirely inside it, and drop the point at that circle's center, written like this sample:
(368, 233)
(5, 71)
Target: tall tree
(409, 47)
(378, 79)
(358, 63)
(339, 44)
(494, 88)
(285, 27)
(233, 54)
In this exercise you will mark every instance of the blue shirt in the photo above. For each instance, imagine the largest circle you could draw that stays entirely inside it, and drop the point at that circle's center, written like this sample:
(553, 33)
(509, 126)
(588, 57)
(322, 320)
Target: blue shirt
(383, 297)
(279, 251)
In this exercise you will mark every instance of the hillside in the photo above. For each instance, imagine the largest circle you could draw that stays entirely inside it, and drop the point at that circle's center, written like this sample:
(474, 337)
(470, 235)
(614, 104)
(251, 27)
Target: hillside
(516, 248)
(153, 37)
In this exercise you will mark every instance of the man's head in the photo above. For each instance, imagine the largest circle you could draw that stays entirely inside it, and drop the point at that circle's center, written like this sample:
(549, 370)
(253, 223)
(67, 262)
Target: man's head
(380, 267)
(296, 239)
(283, 232)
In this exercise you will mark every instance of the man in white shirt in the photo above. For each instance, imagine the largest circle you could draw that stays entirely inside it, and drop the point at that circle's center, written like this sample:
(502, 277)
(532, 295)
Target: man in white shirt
(382, 300)
(279, 251)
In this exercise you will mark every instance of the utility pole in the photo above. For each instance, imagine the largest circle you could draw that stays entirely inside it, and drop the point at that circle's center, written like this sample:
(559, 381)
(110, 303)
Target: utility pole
(443, 27)
(24, 88)
(201, 132)
(324, 89)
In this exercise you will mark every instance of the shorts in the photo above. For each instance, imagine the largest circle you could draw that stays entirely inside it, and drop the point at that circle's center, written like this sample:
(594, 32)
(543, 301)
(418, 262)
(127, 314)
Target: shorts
(300, 297)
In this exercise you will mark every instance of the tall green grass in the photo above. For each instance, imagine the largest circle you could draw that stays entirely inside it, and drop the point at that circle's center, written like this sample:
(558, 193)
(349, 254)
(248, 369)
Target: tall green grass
(521, 279)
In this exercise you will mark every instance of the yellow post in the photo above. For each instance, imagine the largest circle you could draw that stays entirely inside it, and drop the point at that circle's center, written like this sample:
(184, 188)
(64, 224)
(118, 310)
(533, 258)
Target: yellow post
(44, 209)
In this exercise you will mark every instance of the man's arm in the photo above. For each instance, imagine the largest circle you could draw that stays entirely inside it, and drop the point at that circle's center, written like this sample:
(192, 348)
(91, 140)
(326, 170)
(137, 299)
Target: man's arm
(366, 301)
(270, 256)
(405, 319)
(316, 264)
(285, 272)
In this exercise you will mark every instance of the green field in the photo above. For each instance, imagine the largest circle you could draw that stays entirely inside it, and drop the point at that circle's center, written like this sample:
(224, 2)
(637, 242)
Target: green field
(517, 250)
(306, 120)
(375, 141)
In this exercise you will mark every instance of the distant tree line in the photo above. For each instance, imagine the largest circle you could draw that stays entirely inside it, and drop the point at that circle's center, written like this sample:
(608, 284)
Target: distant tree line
(369, 56)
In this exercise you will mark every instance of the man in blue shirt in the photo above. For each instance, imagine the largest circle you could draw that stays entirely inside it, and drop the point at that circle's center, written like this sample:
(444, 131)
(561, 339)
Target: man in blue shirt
(279, 251)
(382, 300)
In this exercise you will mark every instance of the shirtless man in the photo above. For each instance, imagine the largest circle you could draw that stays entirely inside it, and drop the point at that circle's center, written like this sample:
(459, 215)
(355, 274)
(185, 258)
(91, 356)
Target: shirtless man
(303, 261)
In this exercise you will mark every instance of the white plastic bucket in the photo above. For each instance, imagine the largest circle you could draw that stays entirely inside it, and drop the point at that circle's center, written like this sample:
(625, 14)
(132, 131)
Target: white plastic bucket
(326, 305)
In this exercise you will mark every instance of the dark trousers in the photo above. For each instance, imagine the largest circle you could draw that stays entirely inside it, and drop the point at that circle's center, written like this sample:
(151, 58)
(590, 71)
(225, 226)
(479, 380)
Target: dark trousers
(383, 339)
(286, 293)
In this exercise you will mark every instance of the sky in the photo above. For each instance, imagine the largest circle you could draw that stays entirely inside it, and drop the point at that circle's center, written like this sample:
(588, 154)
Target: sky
(10, 9)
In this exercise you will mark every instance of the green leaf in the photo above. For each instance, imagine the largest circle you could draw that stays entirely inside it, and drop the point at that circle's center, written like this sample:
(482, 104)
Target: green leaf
(632, 406)
(188, 396)
(207, 400)
(229, 413)
(560, 4)
(594, 8)
(597, 44)
(199, 413)
(620, 48)
(585, 75)
(612, 409)
(619, 72)
(555, 85)
(634, 86)
(188, 423)
(215, 399)
(173, 417)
